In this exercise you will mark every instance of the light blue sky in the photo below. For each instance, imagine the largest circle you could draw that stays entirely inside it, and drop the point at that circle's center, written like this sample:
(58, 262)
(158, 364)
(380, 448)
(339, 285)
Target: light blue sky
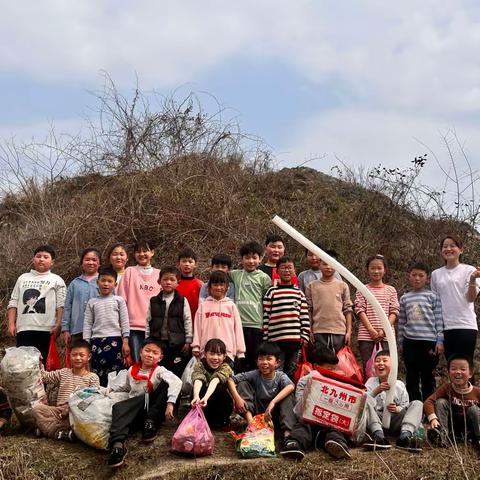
(364, 81)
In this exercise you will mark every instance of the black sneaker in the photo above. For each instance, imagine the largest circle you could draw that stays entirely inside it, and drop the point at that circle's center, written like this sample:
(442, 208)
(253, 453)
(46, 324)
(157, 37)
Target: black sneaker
(436, 438)
(409, 443)
(149, 431)
(336, 449)
(117, 455)
(66, 435)
(378, 442)
(292, 450)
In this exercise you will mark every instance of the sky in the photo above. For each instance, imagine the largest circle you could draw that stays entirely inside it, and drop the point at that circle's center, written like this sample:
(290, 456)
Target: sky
(362, 82)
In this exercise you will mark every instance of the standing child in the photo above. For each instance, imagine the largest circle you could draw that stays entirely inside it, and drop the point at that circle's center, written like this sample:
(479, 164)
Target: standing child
(169, 320)
(139, 284)
(118, 258)
(274, 250)
(454, 409)
(457, 285)
(251, 285)
(218, 317)
(313, 273)
(406, 416)
(53, 421)
(265, 390)
(285, 316)
(420, 333)
(189, 286)
(330, 309)
(370, 330)
(153, 391)
(220, 263)
(210, 377)
(35, 309)
(106, 327)
(79, 292)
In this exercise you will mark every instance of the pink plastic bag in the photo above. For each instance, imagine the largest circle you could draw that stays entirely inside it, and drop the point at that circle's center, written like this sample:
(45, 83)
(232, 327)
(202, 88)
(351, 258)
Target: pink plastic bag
(193, 435)
(348, 364)
(370, 367)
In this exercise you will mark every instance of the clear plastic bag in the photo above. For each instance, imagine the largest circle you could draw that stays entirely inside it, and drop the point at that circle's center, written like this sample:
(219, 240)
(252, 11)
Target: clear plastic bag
(193, 435)
(258, 440)
(187, 385)
(90, 414)
(22, 381)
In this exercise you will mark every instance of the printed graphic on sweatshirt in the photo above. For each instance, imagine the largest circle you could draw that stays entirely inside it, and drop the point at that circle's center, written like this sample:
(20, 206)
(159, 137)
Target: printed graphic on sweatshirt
(33, 298)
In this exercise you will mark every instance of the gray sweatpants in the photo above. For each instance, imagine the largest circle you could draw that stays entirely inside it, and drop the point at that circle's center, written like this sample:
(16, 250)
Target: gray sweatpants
(458, 424)
(408, 420)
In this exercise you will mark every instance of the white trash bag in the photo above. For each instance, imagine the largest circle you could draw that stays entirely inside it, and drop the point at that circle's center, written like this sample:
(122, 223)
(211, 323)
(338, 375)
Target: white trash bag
(187, 384)
(91, 415)
(22, 381)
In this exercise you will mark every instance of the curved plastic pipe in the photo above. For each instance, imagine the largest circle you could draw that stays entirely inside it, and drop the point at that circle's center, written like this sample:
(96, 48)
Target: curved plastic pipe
(387, 328)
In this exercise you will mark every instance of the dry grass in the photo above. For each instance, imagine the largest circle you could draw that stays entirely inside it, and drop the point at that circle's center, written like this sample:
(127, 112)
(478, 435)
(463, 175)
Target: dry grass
(29, 458)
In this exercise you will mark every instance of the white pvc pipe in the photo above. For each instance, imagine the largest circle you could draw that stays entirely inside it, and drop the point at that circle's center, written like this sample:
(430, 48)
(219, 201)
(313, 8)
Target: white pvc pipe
(387, 327)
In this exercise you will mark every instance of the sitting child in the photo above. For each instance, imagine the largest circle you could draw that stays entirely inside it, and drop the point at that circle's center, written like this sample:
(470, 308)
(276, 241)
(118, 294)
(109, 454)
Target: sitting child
(454, 408)
(5, 410)
(210, 377)
(260, 391)
(305, 434)
(406, 416)
(53, 421)
(153, 391)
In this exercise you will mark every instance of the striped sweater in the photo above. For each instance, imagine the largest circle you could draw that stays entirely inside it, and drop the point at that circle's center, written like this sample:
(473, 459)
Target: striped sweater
(388, 299)
(420, 316)
(285, 315)
(68, 383)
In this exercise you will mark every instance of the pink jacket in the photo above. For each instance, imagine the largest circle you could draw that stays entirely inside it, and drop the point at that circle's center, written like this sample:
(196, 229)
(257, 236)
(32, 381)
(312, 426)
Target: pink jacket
(219, 319)
(137, 288)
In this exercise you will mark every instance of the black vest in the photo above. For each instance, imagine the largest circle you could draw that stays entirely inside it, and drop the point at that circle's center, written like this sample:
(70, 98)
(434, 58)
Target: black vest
(175, 325)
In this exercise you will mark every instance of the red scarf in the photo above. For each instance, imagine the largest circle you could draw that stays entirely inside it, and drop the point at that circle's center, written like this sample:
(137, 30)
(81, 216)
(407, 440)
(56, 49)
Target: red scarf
(135, 375)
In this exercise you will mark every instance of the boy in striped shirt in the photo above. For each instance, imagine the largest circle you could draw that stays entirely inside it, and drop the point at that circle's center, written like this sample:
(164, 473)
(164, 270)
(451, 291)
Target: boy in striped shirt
(285, 316)
(420, 333)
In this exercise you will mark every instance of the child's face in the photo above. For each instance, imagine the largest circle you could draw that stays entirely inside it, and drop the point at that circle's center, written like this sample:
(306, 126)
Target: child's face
(286, 271)
(273, 252)
(42, 262)
(267, 364)
(90, 263)
(459, 372)
(214, 359)
(218, 290)
(326, 269)
(187, 266)
(168, 282)
(450, 250)
(118, 258)
(144, 257)
(417, 279)
(220, 267)
(376, 270)
(80, 358)
(313, 261)
(250, 262)
(382, 366)
(150, 355)
(106, 284)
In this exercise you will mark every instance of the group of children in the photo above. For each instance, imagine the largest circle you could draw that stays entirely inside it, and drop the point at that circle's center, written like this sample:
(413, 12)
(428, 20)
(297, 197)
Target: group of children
(252, 321)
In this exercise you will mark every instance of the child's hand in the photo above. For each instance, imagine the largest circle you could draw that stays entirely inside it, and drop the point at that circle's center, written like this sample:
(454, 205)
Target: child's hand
(439, 348)
(194, 401)
(383, 387)
(196, 353)
(169, 411)
(392, 408)
(380, 334)
(269, 410)
(241, 406)
(348, 338)
(12, 329)
(186, 348)
(434, 423)
(67, 338)
(56, 330)
(125, 348)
